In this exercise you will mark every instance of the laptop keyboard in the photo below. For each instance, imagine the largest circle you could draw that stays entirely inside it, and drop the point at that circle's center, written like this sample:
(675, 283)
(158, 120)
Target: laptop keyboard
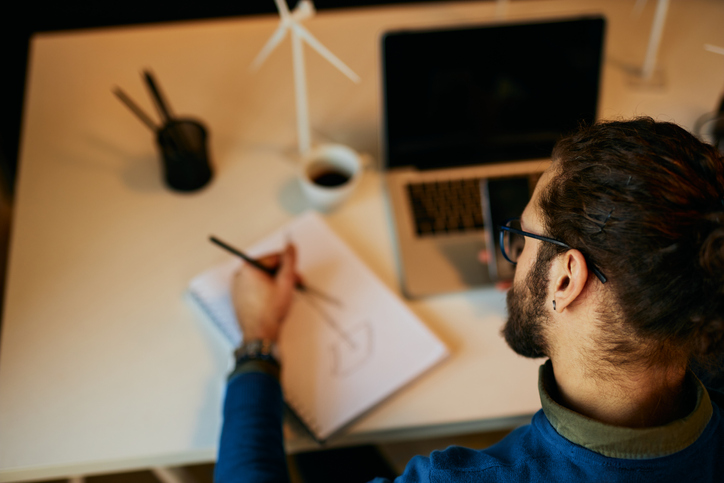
(446, 206)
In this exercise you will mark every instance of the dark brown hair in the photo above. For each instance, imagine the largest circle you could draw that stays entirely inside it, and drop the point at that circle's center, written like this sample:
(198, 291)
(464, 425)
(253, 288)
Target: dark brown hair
(644, 202)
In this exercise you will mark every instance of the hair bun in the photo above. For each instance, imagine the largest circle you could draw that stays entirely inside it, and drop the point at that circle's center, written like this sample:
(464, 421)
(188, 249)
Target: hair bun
(710, 340)
(711, 254)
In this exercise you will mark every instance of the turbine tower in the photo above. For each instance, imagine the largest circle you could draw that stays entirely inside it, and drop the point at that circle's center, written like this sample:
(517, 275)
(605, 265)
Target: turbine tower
(290, 21)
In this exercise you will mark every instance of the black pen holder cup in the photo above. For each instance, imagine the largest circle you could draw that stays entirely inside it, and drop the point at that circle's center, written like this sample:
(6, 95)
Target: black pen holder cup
(184, 154)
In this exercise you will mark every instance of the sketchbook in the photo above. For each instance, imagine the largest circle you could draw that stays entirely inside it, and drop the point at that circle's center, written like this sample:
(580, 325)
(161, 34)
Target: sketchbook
(338, 360)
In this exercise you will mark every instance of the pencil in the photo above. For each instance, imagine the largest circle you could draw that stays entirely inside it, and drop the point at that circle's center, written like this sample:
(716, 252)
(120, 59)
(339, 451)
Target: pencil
(135, 109)
(271, 271)
(156, 94)
(268, 270)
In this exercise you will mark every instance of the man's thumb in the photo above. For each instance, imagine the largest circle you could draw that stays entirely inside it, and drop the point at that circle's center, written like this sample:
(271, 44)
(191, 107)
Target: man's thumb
(289, 262)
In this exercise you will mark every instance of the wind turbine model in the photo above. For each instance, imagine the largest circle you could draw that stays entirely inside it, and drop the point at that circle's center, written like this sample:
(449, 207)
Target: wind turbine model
(290, 21)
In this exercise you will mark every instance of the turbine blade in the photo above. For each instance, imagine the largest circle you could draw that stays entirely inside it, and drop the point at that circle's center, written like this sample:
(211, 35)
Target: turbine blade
(714, 48)
(283, 8)
(638, 8)
(304, 10)
(324, 52)
(271, 44)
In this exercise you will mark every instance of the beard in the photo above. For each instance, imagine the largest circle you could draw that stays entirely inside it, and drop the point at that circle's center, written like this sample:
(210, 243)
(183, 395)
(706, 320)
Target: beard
(527, 317)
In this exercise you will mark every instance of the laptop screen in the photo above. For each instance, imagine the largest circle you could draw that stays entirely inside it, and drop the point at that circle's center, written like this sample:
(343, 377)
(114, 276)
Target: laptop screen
(495, 93)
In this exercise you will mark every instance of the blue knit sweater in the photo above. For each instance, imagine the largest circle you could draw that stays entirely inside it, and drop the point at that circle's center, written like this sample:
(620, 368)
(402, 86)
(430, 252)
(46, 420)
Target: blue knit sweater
(537, 453)
(251, 450)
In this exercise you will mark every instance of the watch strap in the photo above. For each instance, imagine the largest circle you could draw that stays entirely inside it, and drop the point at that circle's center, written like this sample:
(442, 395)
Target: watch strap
(257, 349)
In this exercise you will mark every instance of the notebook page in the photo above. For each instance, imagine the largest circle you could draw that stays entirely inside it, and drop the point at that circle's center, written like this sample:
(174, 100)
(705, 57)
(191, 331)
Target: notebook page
(210, 292)
(339, 361)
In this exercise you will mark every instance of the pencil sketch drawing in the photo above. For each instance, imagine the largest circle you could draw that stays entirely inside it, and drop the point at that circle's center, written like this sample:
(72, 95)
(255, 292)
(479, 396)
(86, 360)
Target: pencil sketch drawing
(346, 359)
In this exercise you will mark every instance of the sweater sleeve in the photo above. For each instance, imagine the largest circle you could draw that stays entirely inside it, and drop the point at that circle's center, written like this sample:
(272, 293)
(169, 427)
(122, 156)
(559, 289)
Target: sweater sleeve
(251, 448)
(417, 471)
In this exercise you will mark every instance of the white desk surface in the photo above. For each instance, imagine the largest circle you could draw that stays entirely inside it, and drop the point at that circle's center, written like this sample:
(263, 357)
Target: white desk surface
(103, 366)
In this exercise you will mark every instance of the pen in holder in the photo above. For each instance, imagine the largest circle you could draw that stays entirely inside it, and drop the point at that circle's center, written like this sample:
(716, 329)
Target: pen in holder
(181, 142)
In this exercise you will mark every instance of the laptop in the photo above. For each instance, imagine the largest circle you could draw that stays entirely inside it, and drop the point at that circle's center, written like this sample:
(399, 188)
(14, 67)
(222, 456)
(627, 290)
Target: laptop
(469, 119)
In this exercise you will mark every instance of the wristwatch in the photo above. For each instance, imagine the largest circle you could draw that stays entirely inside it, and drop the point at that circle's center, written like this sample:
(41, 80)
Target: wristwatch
(258, 349)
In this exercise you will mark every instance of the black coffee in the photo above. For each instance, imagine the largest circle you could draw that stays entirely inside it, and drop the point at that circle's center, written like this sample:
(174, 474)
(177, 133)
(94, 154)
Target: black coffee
(330, 178)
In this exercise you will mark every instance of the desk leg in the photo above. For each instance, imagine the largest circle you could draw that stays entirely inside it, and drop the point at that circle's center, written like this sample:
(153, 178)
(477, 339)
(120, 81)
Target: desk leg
(172, 475)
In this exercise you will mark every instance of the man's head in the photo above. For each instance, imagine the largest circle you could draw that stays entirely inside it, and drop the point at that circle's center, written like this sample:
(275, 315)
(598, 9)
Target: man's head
(643, 201)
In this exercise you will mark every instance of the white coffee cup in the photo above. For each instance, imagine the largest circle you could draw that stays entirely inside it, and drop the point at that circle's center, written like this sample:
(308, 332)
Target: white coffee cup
(328, 175)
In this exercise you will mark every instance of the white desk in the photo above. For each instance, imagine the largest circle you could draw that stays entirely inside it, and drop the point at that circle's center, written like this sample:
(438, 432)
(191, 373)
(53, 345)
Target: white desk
(103, 366)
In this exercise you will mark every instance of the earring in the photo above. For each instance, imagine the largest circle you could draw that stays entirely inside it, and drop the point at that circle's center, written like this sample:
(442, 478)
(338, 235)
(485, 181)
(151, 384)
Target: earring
(554, 306)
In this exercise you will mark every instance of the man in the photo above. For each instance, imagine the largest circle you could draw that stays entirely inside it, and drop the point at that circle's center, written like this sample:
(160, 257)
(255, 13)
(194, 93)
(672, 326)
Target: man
(619, 282)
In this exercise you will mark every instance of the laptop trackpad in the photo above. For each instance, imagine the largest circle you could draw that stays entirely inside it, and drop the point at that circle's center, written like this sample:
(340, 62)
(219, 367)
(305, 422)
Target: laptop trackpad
(462, 254)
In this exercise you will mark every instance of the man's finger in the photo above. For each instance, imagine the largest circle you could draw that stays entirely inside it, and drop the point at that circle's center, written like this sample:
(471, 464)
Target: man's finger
(270, 261)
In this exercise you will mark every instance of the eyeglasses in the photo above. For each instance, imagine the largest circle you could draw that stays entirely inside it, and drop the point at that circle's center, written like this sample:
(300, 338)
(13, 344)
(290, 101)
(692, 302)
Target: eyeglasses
(512, 241)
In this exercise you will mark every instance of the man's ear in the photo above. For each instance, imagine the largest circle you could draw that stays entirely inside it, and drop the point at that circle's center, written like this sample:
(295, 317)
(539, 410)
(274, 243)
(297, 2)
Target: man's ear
(569, 276)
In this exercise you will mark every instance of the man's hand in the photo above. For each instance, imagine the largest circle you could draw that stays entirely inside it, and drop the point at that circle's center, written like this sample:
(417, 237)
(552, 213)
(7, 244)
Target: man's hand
(261, 302)
(485, 258)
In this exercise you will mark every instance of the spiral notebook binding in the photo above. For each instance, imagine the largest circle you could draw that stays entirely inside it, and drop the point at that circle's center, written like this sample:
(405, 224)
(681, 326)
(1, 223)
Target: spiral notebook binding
(305, 420)
(215, 317)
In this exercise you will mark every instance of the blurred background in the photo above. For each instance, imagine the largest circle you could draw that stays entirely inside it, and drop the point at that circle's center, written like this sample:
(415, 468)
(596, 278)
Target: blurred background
(16, 30)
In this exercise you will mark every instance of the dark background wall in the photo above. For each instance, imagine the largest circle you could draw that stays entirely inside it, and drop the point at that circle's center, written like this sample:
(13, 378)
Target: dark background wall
(17, 28)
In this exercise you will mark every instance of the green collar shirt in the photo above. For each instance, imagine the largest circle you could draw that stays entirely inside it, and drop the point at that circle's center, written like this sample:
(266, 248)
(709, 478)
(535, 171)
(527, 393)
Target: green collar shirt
(622, 442)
